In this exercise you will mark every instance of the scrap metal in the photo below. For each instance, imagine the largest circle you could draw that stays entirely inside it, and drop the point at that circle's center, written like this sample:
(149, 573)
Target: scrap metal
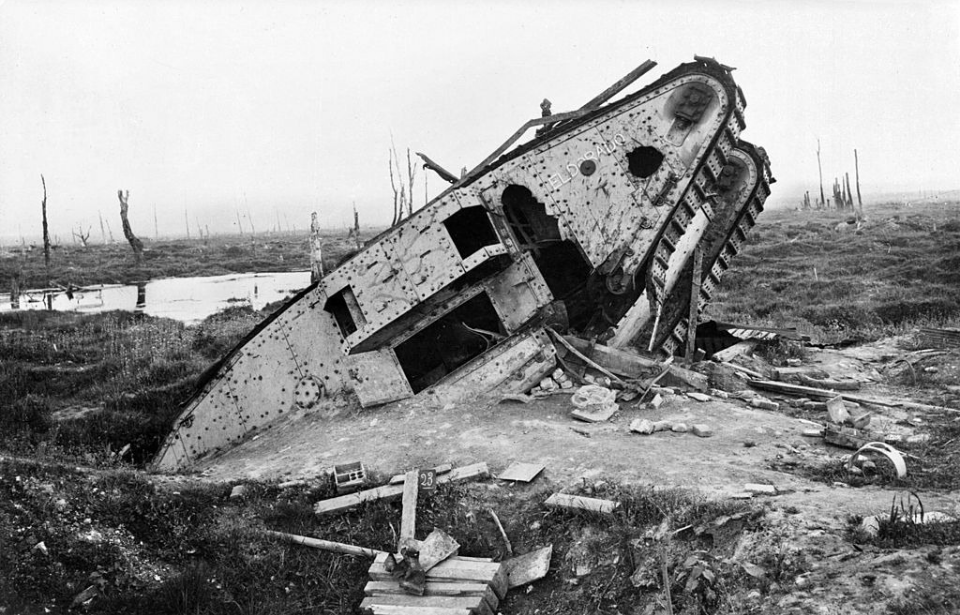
(588, 228)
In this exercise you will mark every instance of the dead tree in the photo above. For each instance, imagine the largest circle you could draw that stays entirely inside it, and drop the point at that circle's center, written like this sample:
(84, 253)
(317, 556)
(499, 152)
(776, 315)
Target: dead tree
(103, 232)
(78, 235)
(135, 243)
(356, 226)
(823, 200)
(46, 229)
(316, 250)
(411, 178)
(396, 184)
(856, 167)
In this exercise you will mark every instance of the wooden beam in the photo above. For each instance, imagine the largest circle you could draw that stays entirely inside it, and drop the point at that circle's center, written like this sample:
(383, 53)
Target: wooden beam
(325, 545)
(804, 391)
(393, 492)
(408, 519)
(564, 500)
(622, 362)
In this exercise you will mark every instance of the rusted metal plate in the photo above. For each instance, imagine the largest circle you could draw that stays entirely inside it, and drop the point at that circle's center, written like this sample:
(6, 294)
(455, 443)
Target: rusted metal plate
(517, 293)
(509, 367)
(377, 377)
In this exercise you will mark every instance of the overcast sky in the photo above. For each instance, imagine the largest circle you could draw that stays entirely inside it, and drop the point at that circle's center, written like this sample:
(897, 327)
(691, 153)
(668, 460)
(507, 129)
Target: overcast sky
(275, 109)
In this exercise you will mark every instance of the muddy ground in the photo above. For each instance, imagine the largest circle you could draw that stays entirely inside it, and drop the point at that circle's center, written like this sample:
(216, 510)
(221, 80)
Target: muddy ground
(811, 516)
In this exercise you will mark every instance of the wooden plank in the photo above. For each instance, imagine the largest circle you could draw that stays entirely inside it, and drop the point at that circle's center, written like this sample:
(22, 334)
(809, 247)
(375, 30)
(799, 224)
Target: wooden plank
(397, 479)
(325, 545)
(392, 492)
(694, 304)
(529, 567)
(804, 391)
(578, 502)
(394, 609)
(408, 518)
(732, 352)
(829, 383)
(475, 604)
(432, 588)
(616, 360)
(455, 569)
(680, 377)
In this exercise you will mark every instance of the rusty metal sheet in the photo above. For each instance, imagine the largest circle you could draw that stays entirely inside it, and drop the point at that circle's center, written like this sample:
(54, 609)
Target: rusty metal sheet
(377, 377)
(518, 292)
(425, 251)
(510, 367)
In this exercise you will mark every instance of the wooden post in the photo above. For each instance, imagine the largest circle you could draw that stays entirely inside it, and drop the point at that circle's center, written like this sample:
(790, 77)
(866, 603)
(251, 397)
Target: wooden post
(316, 250)
(15, 292)
(695, 283)
(823, 200)
(856, 166)
(356, 226)
(408, 519)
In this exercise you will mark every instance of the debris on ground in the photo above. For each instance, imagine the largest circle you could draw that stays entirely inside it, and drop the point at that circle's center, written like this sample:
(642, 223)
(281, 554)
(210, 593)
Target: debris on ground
(579, 502)
(393, 492)
(519, 471)
(529, 567)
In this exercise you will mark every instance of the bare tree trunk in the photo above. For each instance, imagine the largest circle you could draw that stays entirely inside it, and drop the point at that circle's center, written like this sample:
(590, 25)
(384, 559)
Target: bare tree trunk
(856, 166)
(411, 177)
(239, 223)
(316, 250)
(46, 230)
(397, 203)
(15, 291)
(186, 223)
(356, 226)
(103, 232)
(823, 200)
(156, 227)
(135, 243)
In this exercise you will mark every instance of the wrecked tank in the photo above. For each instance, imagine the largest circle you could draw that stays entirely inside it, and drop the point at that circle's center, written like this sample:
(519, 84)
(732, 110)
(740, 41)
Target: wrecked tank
(590, 227)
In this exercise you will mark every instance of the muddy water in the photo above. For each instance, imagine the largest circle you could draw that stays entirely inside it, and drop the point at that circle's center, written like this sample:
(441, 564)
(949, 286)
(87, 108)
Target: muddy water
(189, 300)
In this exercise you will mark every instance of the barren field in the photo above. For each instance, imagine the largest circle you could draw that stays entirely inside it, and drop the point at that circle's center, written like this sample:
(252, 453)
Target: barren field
(86, 400)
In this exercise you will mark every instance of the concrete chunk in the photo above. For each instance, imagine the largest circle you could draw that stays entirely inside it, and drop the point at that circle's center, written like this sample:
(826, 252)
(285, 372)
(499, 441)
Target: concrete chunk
(642, 426)
(702, 430)
(699, 396)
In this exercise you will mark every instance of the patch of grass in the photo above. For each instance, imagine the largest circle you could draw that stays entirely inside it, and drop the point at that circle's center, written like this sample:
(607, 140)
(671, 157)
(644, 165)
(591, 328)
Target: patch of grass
(898, 271)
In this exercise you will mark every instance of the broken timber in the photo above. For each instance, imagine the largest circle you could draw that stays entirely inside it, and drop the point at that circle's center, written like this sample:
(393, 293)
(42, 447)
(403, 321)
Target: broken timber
(579, 502)
(325, 545)
(393, 492)
(455, 585)
(582, 228)
(804, 391)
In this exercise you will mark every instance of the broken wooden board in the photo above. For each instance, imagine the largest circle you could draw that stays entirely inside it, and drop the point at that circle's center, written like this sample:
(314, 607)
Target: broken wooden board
(433, 588)
(829, 383)
(398, 479)
(680, 377)
(579, 502)
(529, 567)
(929, 337)
(521, 472)
(804, 391)
(436, 547)
(392, 492)
(620, 362)
(381, 603)
(478, 570)
(732, 352)
(408, 516)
